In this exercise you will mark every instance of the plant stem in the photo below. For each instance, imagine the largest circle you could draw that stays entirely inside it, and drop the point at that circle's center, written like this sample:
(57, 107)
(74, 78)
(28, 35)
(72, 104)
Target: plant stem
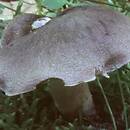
(108, 105)
(123, 100)
(39, 7)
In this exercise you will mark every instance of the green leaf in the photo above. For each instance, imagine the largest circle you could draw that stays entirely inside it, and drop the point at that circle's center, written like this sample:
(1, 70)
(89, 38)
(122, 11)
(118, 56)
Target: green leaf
(128, 65)
(51, 14)
(2, 6)
(54, 4)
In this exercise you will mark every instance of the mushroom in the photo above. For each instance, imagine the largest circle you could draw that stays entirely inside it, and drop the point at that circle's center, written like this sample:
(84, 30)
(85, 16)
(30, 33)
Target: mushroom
(80, 94)
(73, 47)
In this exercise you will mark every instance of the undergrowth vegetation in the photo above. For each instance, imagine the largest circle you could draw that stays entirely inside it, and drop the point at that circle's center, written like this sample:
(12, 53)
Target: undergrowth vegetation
(36, 110)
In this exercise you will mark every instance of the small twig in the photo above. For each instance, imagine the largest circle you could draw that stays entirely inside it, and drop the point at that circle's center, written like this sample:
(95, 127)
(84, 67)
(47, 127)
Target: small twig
(108, 105)
(8, 7)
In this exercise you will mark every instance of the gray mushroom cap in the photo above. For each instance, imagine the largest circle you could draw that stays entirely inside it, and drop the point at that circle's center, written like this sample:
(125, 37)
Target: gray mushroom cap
(18, 27)
(74, 47)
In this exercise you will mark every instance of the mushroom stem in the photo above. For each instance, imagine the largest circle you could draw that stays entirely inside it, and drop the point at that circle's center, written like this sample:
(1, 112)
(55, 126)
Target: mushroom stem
(71, 101)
